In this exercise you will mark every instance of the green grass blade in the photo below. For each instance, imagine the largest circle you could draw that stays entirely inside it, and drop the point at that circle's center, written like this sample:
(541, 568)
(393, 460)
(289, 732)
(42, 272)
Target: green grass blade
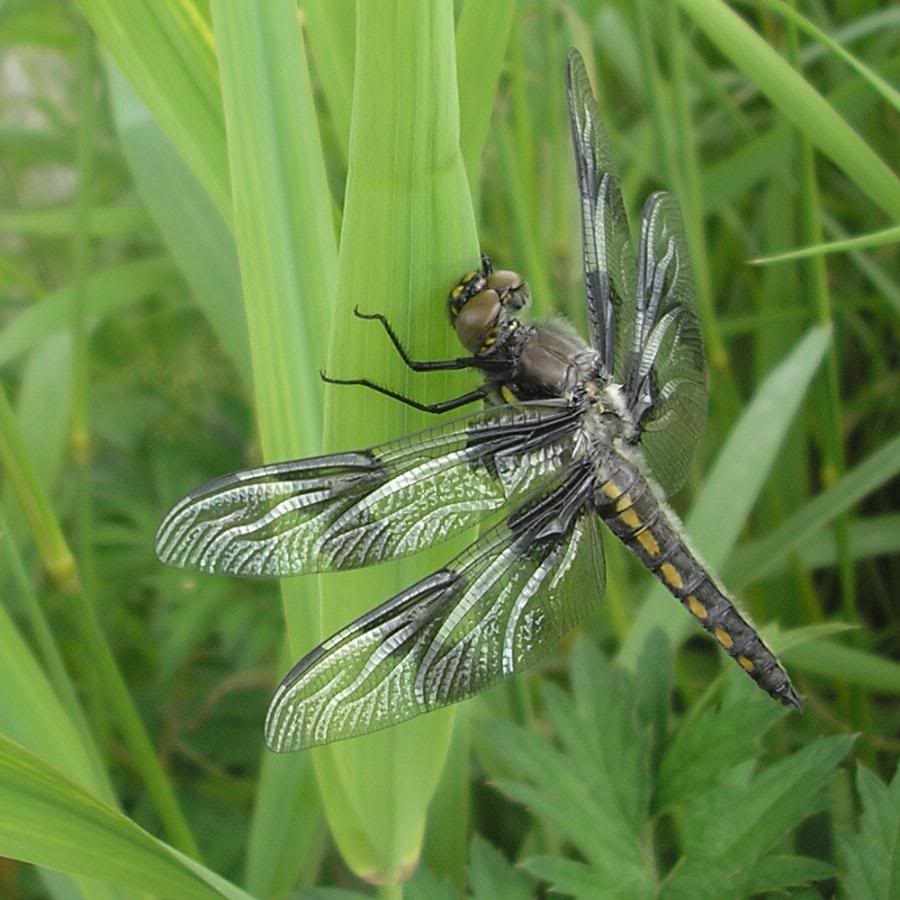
(166, 51)
(847, 665)
(482, 34)
(862, 242)
(108, 290)
(852, 487)
(192, 228)
(330, 28)
(797, 99)
(408, 233)
(734, 483)
(288, 256)
(891, 95)
(48, 820)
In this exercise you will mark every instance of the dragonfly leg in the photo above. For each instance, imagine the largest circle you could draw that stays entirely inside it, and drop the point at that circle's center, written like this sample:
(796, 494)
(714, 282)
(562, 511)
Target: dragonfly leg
(437, 365)
(436, 408)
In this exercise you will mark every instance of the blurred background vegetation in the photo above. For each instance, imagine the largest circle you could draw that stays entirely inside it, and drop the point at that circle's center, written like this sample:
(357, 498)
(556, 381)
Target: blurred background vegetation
(193, 196)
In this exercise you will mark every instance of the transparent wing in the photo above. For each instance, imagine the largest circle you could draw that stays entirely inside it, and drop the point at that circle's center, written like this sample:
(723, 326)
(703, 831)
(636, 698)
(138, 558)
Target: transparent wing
(353, 509)
(608, 257)
(663, 369)
(495, 609)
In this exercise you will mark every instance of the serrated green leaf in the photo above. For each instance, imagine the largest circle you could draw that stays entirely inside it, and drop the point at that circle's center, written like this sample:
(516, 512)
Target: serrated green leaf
(727, 830)
(491, 877)
(775, 873)
(872, 856)
(709, 744)
(566, 876)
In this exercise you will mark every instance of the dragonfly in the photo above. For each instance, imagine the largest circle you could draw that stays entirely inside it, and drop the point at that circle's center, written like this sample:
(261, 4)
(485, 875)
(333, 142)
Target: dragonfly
(574, 438)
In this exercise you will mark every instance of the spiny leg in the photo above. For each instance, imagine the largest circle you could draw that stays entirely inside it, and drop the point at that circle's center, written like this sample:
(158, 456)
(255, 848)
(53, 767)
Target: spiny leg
(436, 408)
(438, 365)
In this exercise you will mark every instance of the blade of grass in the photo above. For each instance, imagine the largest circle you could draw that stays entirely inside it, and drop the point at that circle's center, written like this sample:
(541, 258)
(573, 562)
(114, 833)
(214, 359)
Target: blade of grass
(48, 820)
(797, 99)
(861, 242)
(853, 486)
(734, 483)
(107, 290)
(330, 27)
(193, 229)
(878, 84)
(166, 51)
(60, 564)
(482, 34)
(288, 257)
(408, 233)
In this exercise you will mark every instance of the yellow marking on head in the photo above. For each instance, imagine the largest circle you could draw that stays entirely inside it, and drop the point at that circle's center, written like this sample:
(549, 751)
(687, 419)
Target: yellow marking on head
(696, 607)
(469, 276)
(456, 291)
(629, 518)
(623, 502)
(724, 638)
(648, 542)
(611, 489)
(745, 663)
(671, 575)
(507, 394)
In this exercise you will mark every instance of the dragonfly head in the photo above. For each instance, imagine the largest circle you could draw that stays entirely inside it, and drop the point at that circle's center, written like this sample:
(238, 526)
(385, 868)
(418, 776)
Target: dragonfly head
(482, 302)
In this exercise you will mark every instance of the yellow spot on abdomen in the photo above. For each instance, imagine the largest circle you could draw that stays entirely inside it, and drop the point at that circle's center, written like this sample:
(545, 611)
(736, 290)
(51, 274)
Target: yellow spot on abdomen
(671, 575)
(696, 607)
(648, 542)
(507, 394)
(630, 518)
(745, 663)
(724, 638)
(611, 489)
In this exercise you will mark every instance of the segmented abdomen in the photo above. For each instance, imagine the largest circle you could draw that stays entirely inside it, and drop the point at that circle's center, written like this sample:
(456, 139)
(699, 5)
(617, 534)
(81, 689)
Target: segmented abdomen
(633, 513)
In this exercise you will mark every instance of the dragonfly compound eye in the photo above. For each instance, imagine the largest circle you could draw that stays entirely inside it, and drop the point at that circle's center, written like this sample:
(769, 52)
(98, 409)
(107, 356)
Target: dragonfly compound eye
(476, 321)
(510, 287)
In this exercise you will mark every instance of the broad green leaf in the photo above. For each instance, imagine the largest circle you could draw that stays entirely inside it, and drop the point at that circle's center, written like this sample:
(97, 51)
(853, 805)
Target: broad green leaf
(482, 34)
(193, 229)
(873, 854)
(776, 873)
(408, 233)
(287, 252)
(734, 482)
(798, 100)
(48, 820)
(166, 52)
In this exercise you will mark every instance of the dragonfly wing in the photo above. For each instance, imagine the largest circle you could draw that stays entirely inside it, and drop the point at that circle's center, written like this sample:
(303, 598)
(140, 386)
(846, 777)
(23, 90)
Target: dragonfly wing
(608, 256)
(664, 372)
(352, 509)
(495, 609)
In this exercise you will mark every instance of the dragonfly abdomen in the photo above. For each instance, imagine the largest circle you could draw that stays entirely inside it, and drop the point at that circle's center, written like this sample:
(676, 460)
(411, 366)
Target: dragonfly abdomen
(634, 514)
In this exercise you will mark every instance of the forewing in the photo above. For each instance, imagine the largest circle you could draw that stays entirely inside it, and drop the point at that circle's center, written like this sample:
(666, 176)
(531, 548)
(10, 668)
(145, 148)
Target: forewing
(353, 509)
(664, 372)
(495, 609)
(608, 256)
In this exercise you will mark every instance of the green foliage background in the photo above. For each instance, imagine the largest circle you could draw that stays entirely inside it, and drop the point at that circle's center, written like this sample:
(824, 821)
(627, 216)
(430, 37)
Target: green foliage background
(193, 196)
